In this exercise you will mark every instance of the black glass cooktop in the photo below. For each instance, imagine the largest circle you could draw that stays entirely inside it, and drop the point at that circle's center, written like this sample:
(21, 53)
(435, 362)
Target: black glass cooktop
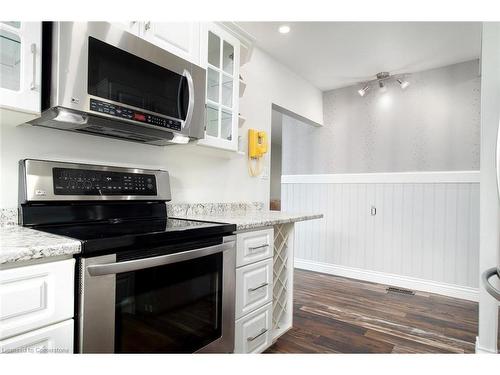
(116, 234)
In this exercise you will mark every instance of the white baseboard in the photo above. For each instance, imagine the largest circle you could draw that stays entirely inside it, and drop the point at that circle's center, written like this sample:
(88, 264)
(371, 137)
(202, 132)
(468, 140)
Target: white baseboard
(450, 290)
(480, 350)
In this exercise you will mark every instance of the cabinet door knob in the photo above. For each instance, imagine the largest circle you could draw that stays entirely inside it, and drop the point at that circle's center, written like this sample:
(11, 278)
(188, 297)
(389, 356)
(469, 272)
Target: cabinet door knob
(147, 25)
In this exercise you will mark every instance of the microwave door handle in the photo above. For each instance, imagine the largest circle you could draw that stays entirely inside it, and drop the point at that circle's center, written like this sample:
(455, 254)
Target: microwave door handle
(189, 114)
(140, 264)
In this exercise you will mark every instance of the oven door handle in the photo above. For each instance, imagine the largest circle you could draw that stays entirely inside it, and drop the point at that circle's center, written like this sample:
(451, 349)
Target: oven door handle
(140, 264)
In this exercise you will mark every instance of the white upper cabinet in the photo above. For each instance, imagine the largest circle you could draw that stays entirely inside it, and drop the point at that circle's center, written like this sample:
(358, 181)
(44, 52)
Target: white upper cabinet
(180, 38)
(20, 65)
(132, 27)
(221, 56)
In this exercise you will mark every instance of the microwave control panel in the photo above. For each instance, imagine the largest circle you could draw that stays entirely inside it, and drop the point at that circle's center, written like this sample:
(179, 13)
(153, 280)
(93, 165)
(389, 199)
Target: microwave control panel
(91, 182)
(130, 114)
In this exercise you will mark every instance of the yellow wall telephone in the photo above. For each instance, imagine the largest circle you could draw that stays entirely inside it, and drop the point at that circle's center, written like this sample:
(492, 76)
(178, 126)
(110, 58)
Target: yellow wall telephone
(257, 147)
(257, 143)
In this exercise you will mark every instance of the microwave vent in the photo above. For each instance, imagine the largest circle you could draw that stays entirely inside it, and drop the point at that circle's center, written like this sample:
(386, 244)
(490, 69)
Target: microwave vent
(95, 129)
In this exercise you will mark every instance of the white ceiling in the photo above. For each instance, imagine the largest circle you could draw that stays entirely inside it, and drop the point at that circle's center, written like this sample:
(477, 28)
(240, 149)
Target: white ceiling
(339, 54)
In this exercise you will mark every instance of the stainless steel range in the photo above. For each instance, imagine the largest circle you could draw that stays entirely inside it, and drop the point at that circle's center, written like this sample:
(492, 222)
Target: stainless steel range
(147, 283)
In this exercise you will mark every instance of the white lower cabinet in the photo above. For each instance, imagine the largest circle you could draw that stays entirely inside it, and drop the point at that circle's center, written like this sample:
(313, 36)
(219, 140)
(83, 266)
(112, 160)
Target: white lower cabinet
(54, 339)
(37, 306)
(254, 285)
(35, 296)
(254, 246)
(253, 332)
(254, 291)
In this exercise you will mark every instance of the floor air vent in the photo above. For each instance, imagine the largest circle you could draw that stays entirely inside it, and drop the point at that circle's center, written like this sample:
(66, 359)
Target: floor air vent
(408, 292)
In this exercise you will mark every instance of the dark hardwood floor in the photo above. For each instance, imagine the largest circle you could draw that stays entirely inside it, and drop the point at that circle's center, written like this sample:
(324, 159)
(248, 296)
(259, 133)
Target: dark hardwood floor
(340, 315)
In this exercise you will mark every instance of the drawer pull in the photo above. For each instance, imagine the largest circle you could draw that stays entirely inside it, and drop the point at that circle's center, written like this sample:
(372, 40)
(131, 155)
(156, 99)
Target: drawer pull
(258, 247)
(264, 330)
(258, 287)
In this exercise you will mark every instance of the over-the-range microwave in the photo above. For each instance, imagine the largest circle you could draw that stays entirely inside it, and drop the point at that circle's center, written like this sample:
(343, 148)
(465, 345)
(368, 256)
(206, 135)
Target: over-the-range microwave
(99, 79)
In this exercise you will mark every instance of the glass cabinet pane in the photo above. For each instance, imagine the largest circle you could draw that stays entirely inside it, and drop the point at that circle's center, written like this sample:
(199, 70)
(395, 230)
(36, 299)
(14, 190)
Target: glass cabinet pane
(227, 125)
(227, 91)
(213, 85)
(16, 24)
(213, 49)
(212, 121)
(228, 58)
(10, 60)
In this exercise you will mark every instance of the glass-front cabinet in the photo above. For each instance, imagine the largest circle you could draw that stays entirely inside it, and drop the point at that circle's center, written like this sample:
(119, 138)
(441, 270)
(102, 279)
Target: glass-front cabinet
(222, 63)
(20, 65)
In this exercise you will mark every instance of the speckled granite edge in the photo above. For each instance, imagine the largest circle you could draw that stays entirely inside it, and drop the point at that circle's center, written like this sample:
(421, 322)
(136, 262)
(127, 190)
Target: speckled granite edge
(183, 209)
(258, 219)
(21, 244)
(8, 216)
(278, 221)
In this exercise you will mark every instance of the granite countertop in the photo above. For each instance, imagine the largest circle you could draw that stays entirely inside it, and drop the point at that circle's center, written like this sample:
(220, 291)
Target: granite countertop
(18, 244)
(250, 219)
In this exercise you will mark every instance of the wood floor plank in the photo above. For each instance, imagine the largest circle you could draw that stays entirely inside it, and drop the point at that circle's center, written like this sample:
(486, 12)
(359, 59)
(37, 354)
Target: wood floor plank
(339, 315)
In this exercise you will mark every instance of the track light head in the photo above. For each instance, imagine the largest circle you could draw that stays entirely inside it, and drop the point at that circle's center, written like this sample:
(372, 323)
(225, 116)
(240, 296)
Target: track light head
(364, 90)
(403, 83)
(381, 86)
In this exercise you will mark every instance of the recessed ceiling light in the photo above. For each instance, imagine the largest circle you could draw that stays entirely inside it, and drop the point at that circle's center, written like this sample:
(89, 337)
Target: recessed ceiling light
(284, 29)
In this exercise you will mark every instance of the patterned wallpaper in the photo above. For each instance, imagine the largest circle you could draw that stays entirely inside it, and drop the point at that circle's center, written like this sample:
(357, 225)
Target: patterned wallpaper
(433, 125)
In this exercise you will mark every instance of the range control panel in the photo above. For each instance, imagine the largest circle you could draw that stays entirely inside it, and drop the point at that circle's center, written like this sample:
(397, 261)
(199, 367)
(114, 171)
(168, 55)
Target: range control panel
(90, 182)
(126, 113)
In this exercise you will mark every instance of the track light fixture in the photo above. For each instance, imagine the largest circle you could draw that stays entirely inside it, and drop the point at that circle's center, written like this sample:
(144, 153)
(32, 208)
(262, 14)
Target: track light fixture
(381, 79)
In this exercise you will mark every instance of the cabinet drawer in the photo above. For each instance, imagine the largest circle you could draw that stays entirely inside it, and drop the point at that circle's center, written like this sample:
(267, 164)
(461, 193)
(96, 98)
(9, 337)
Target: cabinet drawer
(35, 296)
(57, 338)
(253, 332)
(254, 286)
(254, 246)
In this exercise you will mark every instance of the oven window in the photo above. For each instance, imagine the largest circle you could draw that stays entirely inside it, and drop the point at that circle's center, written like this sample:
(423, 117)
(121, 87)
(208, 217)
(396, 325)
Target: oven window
(176, 308)
(125, 78)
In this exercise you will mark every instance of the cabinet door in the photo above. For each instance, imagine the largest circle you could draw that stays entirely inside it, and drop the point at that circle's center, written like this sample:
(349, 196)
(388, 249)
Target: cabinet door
(254, 286)
(253, 332)
(180, 38)
(254, 246)
(222, 60)
(53, 339)
(35, 296)
(130, 26)
(20, 65)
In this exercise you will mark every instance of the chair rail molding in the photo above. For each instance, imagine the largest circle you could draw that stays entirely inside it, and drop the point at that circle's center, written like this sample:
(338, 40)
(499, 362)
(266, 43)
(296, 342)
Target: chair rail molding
(384, 178)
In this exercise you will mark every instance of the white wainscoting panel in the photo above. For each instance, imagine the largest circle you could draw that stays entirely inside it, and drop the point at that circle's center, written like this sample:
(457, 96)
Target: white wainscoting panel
(422, 229)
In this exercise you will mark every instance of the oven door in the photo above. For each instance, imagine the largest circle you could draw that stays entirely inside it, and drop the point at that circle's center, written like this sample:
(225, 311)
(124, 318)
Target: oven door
(181, 302)
(97, 66)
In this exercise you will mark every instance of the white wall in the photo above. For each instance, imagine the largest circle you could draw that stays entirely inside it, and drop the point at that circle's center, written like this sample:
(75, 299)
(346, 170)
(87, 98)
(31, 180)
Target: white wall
(197, 174)
(433, 125)
(426, 227)
(490, 117)
(275, 171)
